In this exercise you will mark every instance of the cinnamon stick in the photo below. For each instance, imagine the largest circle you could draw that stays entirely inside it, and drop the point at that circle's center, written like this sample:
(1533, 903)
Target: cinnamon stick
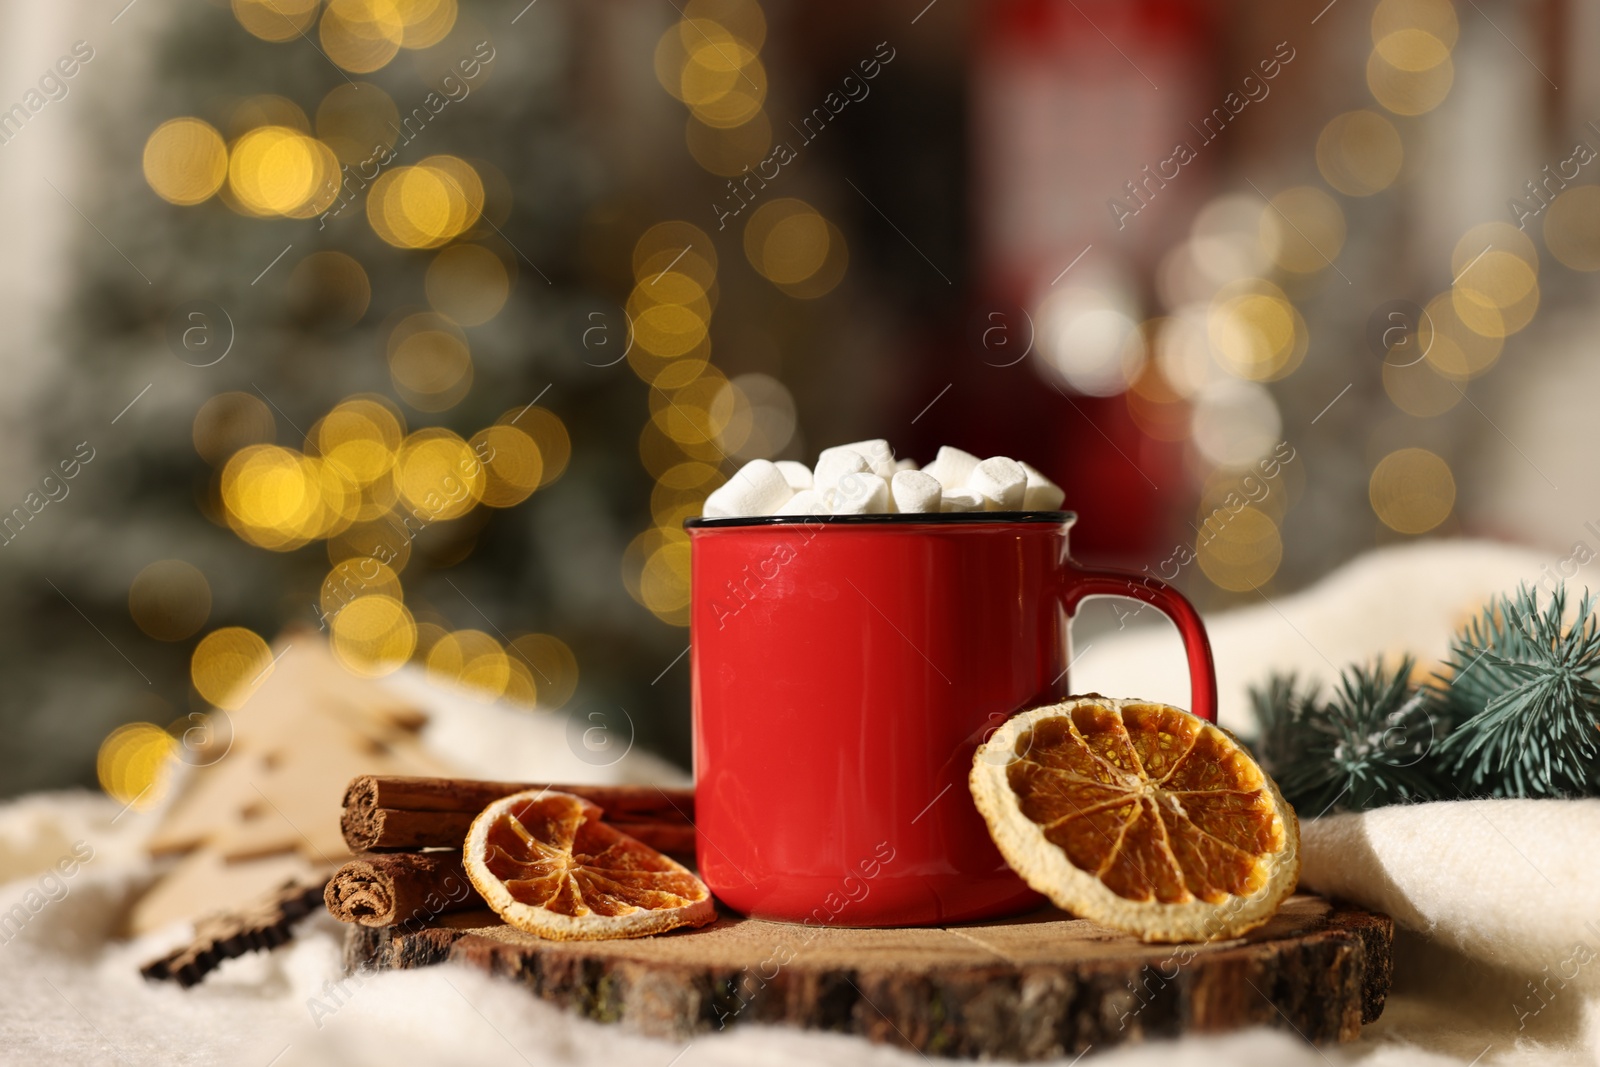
(403, 888)
(392, 813)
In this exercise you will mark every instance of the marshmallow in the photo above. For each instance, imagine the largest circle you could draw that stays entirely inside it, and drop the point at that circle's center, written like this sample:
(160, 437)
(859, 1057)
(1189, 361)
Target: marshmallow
(798, 475)
(907, 464)
(1041, 494)
(960, 500)
(805, 502)
(915, 492)
(951, 467)
(859, 493)
(835, 463)
(1001, 482)
(876, 452)
(759, 488)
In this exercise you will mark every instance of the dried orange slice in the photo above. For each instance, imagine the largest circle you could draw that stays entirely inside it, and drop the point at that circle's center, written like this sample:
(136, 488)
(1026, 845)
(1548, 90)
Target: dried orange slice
(547, 865)
(1138, 816)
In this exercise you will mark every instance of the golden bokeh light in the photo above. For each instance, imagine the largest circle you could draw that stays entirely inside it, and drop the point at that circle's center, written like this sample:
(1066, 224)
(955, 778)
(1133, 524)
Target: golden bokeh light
(1495, 236)
(549, 435)
(135, 764)
(438, 474)
(664, 583)
(511, 462)
(1572, 228)
(671, 288)
(729, 151)
(330, 288)
(1418, 389)
(1435, 17)
(231, 421)
(354, 578)
(828, 276)
(424, 23)
(551, 664)
(1410, 72)
(1302, 230)
(724, 83)
(658, 452)
(1497, 294)
(276, 20)
(279, 499)
(787, 241)
(669, 330)
(427, 205)
(744, 19)
(1155, 405)
(1452, 348)
(274, 170)
(692, 414)
(1359, 153)
(1241, 553)
(468, 283)
(373, 635)
(471, 659)
(680, 492)
(170, 600)
(660, 247)
(229, 665)
(1412, 490)
(1256, 332)
(429, 362)
(357, 120)
(185, 161)
(360, 435)
(361, 35)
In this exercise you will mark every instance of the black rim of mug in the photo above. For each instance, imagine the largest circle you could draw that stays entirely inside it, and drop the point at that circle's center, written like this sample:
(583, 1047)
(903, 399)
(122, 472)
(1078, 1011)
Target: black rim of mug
(956, 518)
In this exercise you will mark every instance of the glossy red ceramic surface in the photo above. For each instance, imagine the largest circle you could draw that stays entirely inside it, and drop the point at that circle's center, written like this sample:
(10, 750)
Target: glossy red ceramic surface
(843, 674)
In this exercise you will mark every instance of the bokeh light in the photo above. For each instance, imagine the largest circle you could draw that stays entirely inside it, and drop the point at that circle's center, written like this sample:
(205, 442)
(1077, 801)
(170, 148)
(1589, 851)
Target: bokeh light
(473, 660)
(135, 764)
(429, 362)
(229, 665)
(185, 161)
(1359, 153)
(275, 170)
(1302, 230)
(373, 634)
(1256, 332)
(361, 35)
(1090, 335)
(468, 284)
(427, 205)
(360, 435)
(1572, 227)
(1410, 72)
(787, 241)
(438, 474)
(1239, 551)
(276, 20)
(1412, 490)
(1235, 423)
(548, 433)
(512, 464)
(170, 600)
(553, 667)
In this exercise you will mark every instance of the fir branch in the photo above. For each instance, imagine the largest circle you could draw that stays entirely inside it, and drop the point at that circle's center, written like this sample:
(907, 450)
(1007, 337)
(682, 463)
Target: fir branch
(1371, 744)
(1522, 688)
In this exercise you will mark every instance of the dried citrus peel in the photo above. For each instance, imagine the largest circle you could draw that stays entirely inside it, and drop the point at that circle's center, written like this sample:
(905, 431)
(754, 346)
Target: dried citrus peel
(547, 865)
(1138, 816)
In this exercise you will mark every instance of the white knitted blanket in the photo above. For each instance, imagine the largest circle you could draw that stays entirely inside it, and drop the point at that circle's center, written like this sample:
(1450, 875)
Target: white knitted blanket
(1498, 962)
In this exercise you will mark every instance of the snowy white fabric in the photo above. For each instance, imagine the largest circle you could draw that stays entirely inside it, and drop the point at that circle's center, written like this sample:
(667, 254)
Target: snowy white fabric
(1499, 961)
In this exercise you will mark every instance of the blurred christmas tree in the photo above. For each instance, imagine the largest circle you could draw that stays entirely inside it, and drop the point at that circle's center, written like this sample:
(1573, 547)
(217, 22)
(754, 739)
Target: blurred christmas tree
(341, 316)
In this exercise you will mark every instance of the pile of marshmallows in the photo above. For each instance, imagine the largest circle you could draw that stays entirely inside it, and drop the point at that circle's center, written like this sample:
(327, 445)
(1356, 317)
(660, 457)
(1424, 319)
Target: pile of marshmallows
(864, 478)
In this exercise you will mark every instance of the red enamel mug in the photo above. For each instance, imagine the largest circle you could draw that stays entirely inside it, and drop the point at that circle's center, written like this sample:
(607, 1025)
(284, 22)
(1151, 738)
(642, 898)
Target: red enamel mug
(844, 670)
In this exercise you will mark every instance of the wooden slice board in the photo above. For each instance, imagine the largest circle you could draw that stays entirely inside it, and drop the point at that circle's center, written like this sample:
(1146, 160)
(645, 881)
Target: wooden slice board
(1037, 986)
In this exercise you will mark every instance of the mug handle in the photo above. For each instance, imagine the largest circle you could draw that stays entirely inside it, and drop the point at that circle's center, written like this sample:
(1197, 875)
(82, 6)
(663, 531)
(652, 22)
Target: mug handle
(1084, 582)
